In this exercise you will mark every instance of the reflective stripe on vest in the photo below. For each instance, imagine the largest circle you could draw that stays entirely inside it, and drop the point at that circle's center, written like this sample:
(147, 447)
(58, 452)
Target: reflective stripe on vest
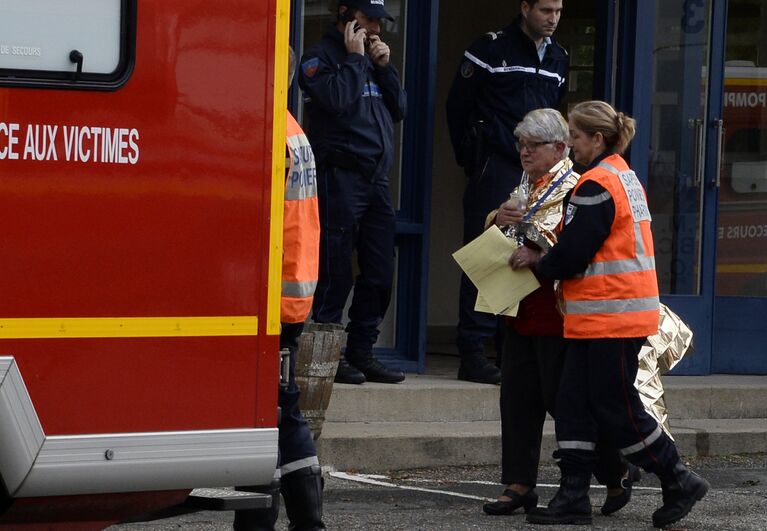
(301, 236)
(617, 294)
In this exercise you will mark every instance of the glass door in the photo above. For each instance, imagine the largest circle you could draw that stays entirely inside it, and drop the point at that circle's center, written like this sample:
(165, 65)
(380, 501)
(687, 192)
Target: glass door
(682, 182)
(708, 176)
(740, 304)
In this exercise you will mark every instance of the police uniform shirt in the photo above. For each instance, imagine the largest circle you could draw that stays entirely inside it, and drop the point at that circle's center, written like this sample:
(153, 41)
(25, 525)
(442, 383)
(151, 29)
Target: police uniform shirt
(501, 78)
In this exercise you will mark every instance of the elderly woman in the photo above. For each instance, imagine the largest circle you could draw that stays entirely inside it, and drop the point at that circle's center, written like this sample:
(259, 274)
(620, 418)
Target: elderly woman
(534, 347)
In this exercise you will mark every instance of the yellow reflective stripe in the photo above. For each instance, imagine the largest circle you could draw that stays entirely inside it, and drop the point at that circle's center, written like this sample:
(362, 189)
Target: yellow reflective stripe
(279, 132)
(108, 327)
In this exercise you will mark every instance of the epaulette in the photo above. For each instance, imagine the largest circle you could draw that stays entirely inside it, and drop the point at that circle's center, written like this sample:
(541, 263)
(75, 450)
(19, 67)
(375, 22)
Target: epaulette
(493, 35)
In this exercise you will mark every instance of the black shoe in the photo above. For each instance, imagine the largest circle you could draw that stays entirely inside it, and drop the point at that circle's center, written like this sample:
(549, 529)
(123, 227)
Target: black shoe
(616, 503)
(348, 374)
(570, 505)
(529, 501)
(375, 371)
(477, 368)
(682, 488)
(302, 492)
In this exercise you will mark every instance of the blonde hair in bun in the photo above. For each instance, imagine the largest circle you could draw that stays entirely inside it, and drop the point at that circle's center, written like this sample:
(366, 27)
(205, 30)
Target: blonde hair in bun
(600, 117)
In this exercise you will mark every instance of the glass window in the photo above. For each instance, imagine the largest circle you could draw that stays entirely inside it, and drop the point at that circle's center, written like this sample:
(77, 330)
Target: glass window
(86, 41)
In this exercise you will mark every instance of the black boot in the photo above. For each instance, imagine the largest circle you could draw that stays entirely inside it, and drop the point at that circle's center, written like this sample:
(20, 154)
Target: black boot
(570, 505)
(259, 519)
(348, 374)
(616, 503)
(302, 492)
(681, 489)
(374, 370)
(476, 368)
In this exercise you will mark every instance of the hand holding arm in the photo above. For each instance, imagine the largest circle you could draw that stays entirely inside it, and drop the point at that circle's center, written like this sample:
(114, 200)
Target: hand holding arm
(524, 257)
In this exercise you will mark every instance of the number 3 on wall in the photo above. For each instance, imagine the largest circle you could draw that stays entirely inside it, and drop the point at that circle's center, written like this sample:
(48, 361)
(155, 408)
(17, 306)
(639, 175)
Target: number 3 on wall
(694, 17)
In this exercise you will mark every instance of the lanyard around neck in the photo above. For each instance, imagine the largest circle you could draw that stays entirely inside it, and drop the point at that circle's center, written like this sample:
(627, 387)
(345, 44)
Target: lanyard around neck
(530, 213)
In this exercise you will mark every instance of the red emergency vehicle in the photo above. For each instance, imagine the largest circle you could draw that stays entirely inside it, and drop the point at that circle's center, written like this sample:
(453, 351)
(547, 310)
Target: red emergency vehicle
(141, 180)
(742, 226)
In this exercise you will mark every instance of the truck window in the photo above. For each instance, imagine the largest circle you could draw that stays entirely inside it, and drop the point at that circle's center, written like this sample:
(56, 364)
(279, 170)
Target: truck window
(86, 44)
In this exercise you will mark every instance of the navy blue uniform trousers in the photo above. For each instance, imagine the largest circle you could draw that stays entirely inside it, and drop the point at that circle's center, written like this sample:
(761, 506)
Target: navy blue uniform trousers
(295, 441)
(597, 395)
(355, 213)
(484, 193)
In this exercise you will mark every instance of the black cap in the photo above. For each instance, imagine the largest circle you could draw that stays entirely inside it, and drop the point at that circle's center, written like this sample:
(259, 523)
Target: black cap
(371, 8)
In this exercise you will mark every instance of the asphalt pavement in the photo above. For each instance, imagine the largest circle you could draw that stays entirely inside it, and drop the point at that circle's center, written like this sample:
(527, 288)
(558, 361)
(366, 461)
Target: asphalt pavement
(451, 498)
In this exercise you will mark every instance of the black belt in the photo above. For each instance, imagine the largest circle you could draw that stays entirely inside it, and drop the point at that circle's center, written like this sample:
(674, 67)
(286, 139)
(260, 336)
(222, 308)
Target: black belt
(348, 161)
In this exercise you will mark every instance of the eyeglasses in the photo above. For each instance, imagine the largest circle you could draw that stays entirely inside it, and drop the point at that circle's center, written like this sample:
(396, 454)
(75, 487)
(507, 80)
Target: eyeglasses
(529, 146)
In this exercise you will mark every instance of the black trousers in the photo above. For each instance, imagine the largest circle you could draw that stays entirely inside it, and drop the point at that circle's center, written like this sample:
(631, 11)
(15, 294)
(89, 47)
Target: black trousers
(530, 377)
(483, 194)
(597, 396)
(355, 214)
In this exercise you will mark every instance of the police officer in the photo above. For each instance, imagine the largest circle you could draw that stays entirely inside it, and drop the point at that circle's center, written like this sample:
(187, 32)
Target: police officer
(353, 97)
(298, 477)
(605, 259)
(502, 77)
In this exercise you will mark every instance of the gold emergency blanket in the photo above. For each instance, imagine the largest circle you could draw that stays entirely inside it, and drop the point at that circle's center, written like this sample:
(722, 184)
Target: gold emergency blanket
(658, 355)
(546, 219)
(549, 213)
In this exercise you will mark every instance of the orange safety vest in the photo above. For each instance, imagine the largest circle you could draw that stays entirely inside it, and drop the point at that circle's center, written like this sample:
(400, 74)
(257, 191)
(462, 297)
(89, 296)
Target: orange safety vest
(617, 295)
(301, 237)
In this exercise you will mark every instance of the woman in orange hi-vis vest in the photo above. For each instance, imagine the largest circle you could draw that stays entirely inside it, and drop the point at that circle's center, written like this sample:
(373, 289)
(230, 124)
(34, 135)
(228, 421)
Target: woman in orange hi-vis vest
(605, 260)
(298, 467)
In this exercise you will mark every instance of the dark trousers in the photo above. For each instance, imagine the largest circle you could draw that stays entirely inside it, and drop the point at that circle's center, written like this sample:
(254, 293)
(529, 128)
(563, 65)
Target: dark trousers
(354, 214)
(484, 193)
(597, 395)
(295, 442)
(530, 376)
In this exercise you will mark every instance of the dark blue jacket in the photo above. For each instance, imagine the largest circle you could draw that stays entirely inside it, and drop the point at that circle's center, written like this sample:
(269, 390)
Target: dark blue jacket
(352, 106)
(499, 81)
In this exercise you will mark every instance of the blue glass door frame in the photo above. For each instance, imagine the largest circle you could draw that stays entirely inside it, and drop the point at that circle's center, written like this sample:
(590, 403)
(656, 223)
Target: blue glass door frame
(413, 217)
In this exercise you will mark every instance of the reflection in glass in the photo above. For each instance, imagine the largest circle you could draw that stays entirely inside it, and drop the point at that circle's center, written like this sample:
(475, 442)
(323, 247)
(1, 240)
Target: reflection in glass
(741, 262)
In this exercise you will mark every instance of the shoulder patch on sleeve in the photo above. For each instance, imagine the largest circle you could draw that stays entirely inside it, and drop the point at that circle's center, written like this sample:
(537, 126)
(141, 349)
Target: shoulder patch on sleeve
(493, 35)
(310, 66)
